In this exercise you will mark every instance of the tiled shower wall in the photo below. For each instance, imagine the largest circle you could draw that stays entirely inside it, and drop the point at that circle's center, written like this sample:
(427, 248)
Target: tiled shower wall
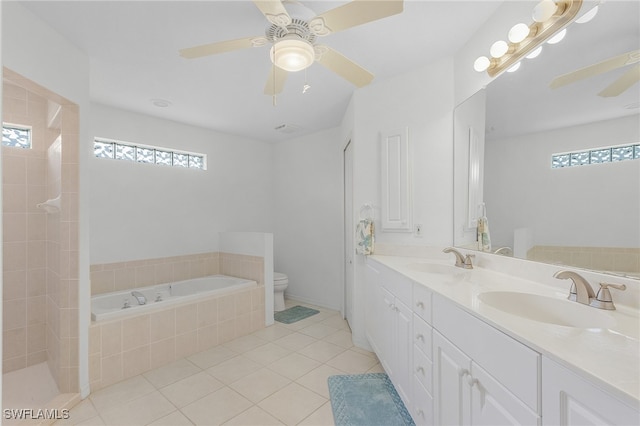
(41, 271)
(25, 232)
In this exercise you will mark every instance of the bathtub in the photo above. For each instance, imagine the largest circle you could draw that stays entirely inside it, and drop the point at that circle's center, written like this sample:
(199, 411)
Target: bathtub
(122, 303)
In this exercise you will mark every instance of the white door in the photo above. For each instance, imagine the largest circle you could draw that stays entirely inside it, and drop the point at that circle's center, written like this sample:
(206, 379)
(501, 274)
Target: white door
(349, 234)
(451, 394)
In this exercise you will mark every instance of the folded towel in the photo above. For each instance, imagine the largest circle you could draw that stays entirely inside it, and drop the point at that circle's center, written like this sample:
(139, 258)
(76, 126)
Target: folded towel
(365, 235)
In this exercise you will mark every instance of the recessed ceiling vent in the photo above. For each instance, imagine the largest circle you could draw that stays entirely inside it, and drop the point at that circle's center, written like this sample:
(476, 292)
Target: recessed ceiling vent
(287, 128)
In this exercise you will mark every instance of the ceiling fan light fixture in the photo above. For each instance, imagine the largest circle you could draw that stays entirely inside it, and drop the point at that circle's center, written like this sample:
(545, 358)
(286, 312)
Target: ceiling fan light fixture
(292, 54)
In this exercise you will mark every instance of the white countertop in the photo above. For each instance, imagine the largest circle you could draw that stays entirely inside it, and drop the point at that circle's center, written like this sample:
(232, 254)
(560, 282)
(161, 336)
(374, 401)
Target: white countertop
(608, 356)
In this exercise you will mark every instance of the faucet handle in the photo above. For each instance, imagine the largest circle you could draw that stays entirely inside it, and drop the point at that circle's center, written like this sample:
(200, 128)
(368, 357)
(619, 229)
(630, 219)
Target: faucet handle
(603, 299)
(467, 261)
(604, 295)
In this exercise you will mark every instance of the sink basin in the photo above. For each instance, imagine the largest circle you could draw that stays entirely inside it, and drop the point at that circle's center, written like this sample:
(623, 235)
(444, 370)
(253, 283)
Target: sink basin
(436, 268)
(548, 309)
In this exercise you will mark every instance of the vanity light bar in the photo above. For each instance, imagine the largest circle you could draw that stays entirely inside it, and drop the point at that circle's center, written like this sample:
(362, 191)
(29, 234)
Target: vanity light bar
(609, 154)
(539, 32)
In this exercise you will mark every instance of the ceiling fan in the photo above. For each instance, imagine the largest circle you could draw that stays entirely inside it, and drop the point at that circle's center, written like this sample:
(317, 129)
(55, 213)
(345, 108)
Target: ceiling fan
(293, 39)
(619, 86)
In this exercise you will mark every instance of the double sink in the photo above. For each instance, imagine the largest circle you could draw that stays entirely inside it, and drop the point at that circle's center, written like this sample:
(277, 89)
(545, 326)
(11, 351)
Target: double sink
(547, 309)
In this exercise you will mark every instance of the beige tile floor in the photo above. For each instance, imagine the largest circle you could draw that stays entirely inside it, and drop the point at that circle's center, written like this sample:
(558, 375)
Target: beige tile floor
(274, 376)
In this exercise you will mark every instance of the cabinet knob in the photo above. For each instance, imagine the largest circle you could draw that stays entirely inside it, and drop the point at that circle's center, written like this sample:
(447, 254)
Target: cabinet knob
(420, 305)
(462, 372)
(420, 369)
(420, 337)
(419, 412)
(471, 381)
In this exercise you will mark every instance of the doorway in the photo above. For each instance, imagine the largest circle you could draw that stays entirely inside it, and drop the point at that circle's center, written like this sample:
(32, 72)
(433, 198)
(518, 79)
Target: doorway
(349, 249)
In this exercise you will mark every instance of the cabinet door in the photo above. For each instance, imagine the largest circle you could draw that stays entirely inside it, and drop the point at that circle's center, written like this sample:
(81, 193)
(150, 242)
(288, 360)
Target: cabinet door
(403, 345)
(451, 394)
(493, 405)
(568, 399)
(387, 327)
(373, 303)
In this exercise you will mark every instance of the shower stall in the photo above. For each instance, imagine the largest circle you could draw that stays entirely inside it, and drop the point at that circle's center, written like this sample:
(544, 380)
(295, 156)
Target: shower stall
(40, 244)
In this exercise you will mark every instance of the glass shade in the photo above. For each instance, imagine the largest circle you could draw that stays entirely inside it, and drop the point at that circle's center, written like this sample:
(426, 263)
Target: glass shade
(292, 54)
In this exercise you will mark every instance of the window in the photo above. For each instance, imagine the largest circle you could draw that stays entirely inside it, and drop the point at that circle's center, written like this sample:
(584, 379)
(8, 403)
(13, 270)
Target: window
(126, 151)
(610, 154)
(16, 136)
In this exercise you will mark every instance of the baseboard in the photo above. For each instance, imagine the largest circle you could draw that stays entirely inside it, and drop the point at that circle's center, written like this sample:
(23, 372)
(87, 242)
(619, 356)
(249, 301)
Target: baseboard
(310, 301)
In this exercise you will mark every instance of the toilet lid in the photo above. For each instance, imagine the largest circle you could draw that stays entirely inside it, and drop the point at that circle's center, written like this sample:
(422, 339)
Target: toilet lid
(277, 276)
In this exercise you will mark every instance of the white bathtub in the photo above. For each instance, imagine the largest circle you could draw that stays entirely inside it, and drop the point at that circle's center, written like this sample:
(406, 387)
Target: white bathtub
(112, 305)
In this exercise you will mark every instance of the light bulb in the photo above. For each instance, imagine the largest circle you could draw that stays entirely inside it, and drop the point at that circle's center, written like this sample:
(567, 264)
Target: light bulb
(558, 37)
(544, 10)
(514, 68)
(534, 53)
(518, 33)
(587, 16)
(481, 64)
(499, 48)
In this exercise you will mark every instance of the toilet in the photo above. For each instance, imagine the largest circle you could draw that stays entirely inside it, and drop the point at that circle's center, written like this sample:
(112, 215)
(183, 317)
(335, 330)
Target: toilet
(280, 283)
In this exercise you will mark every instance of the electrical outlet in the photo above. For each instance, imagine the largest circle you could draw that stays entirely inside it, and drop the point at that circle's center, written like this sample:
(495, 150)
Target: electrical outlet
(418, 230)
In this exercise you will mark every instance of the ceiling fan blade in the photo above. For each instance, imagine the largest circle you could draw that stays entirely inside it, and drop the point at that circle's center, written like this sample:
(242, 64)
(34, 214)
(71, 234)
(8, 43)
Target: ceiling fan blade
(595, 69)
(222, 47)
(355, 13)
(274, 11)
(343, 66)
(275, 82)
(623, 83)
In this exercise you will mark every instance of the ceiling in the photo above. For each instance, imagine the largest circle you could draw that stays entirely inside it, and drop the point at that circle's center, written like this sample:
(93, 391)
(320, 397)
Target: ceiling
(133, 50)
(522, 102)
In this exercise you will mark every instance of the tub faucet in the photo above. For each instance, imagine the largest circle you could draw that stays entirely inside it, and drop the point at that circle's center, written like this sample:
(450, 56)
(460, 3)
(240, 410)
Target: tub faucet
(461, 261)
(139, 297)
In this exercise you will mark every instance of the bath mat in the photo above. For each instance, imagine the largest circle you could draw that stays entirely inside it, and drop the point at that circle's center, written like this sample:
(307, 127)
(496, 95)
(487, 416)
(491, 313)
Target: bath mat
(294, 314)
(367, 400)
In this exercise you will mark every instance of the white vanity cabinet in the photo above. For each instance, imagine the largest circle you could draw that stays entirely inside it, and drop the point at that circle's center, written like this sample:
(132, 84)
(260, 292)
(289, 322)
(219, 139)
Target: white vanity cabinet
(568, 399)
(481, 375)
(389, 325)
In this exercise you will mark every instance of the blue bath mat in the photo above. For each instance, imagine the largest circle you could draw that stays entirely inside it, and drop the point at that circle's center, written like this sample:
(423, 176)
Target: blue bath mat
(367, 400)
(294, 314)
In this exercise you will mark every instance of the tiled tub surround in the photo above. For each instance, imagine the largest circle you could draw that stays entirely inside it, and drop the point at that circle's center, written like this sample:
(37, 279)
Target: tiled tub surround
(40, 270)
(109, 277)
(614, 259)
(123, 348)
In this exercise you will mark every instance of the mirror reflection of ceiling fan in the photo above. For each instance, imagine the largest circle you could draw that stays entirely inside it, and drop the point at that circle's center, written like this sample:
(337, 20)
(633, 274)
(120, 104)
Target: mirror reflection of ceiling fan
(619, 86)
(293, 39)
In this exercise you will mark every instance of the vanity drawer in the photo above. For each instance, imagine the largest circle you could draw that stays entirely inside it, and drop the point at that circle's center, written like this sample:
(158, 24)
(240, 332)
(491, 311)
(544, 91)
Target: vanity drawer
(422, 410)
(422, 335)
(422, 302)
(397, 284)
(422, 369)
(514, 365)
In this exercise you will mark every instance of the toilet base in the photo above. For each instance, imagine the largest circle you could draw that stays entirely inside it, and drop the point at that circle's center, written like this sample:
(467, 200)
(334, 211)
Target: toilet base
(278, 301)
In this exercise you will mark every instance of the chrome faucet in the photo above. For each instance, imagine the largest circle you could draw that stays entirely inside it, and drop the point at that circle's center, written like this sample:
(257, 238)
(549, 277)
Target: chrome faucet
(142, 300)
(461, 261)
(582, 292)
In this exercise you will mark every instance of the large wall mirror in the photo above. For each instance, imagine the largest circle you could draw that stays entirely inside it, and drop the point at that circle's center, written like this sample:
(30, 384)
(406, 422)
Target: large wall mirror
(558, 169)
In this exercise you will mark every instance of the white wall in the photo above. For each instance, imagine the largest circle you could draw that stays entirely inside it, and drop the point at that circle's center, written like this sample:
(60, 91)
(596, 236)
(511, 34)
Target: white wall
(423, 101)
(45, 57)
(143, 211)
(307, 199)
(595, 205)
